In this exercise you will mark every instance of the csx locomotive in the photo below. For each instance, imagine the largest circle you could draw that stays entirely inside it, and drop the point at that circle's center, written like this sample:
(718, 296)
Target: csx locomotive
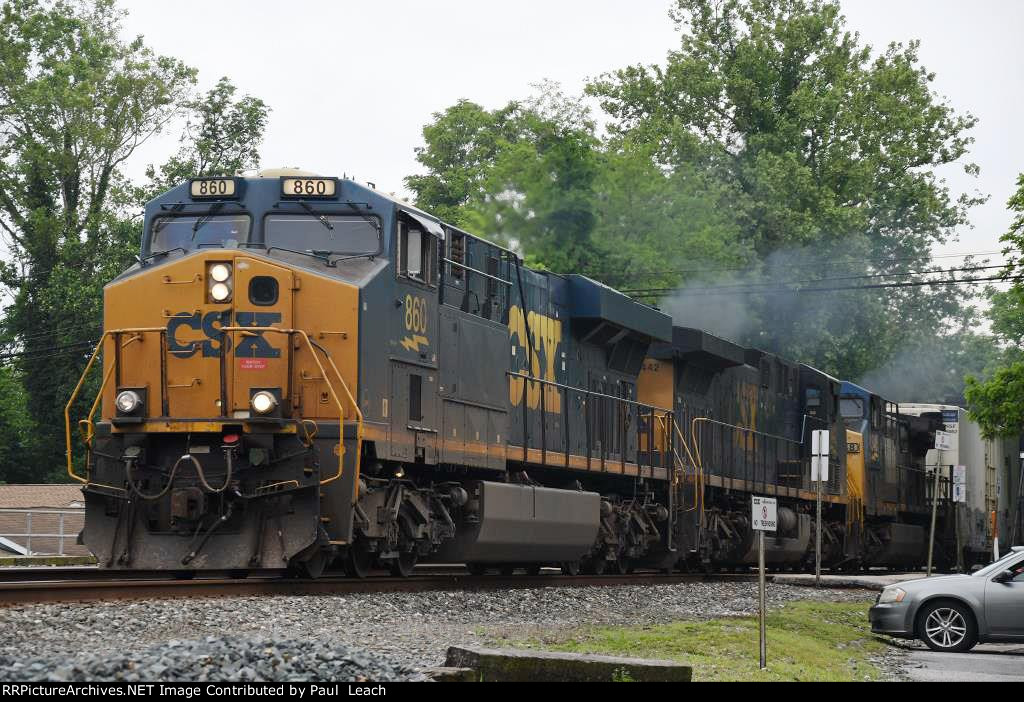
(300, 371)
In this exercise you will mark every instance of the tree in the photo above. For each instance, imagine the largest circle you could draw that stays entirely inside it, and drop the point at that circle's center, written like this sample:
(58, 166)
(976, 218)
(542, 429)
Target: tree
(830, 153)
(221, 137)
(523, 173)
(997, 401)
(75, 103)
(535, 175)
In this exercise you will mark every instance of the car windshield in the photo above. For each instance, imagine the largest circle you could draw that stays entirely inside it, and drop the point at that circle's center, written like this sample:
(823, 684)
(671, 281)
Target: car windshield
(1000, 565)
(193, 231)
(327, 234)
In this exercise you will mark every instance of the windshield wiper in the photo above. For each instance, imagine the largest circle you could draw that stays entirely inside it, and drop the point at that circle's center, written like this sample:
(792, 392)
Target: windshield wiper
(372, 221)
(144, 259)
(311, 253)
(214, 209)
(320, 217)
(370, 256)
(324, 255)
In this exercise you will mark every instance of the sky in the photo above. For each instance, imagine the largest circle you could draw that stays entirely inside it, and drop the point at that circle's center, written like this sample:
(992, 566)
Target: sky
(351, 84)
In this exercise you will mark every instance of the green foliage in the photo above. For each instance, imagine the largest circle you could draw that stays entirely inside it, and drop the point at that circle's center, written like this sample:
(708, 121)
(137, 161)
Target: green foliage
(807, 641)
(829, 151)
(75, 103)
(535, 175)
(773, 148)
(221, 137)
(997, 401)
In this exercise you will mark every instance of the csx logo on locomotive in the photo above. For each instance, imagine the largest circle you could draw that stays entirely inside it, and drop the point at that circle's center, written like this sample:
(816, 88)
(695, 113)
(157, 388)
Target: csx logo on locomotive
(546, 335)
(255, 346)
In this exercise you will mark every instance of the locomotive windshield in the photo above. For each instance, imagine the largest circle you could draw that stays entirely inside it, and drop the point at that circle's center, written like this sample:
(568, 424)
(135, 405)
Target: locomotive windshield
(328, 234)
(851, 407)
(193, 231)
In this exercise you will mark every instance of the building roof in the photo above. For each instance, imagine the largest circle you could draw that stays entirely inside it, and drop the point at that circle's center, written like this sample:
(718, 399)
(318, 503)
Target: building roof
(41, 496)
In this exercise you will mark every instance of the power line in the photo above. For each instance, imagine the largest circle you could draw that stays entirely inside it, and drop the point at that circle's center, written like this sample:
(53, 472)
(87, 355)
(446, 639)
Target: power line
(21, 338)
(829, 263)
(76, 347)
(657, 292)
(752, 285)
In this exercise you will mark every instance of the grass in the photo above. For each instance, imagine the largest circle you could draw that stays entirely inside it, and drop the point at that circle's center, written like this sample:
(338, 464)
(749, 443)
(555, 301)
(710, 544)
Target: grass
(807, 641)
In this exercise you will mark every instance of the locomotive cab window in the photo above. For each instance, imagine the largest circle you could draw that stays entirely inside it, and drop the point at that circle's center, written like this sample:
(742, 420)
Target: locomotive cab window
(195, 231)
(813, 397)
(325, 235)
(417, 250)
(851, 407)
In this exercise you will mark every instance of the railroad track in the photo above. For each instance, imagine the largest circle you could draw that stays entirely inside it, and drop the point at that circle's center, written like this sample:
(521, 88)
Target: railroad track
(18, 589)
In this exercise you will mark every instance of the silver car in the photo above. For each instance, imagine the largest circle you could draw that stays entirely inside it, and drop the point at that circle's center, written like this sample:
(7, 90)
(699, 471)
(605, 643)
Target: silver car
(955, 612)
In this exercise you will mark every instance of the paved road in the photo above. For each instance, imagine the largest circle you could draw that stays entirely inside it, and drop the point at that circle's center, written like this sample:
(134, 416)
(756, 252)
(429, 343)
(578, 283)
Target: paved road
(986, 663)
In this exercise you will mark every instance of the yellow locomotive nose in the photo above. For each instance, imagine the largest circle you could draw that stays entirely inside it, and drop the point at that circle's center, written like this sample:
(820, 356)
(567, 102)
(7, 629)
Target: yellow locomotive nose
(201, 367)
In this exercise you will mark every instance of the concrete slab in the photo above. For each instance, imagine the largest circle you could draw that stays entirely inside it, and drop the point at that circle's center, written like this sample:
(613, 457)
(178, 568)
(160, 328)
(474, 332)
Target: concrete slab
(986, 663)
(518, 665)
(867, 582)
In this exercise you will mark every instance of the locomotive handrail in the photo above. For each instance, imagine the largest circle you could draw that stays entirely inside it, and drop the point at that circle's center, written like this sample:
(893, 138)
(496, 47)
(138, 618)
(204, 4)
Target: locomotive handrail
(698, 470)
(116, 333)
(78, 388)
(313, 347)
(523, 376)
(518, 375)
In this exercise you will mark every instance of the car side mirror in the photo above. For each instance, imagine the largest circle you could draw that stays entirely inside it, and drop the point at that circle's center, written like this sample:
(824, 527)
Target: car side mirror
(1004, 577)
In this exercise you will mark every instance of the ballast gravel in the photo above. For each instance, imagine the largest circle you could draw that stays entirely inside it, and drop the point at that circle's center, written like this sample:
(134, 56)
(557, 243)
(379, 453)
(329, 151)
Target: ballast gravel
(217, 659)
(383, 634)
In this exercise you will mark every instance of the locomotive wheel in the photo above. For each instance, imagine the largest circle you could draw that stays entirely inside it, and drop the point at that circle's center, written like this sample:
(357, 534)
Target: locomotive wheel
(402, 566)
(476, 568)
(571, 568)
(507, 570)
(533, 570)
(595, 566)
(358, 560)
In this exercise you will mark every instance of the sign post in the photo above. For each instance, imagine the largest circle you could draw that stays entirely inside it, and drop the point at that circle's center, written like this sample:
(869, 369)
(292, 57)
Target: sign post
(764, 517)
(819, 473)
(943, 442)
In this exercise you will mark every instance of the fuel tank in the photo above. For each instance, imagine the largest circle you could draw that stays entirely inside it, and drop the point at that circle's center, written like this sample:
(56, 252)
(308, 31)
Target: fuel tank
(523, 524)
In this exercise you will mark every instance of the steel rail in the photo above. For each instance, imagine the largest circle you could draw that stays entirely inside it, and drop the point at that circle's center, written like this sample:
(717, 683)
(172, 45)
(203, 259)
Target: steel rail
(35, 592)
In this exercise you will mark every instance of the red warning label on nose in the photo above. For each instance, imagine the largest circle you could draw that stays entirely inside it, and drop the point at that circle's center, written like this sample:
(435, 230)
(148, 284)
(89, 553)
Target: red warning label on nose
(252, 364)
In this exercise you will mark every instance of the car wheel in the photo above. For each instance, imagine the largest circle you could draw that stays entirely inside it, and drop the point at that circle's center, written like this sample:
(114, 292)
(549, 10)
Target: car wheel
(948, 627)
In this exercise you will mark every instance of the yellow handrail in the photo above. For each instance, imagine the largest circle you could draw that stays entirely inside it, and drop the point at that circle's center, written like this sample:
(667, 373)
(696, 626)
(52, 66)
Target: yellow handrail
(256, 330)
(78, 389)
(334, 393)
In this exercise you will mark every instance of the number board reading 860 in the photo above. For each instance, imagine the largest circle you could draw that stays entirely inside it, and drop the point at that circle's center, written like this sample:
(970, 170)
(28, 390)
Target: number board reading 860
(308, 187)
(212, 187)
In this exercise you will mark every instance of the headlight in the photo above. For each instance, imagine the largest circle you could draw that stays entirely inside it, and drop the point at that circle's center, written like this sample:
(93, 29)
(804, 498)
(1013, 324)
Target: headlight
(220, 272)
(219, 275)
(892, 594)
(263, 402)
(220, 292)
(128, 401)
